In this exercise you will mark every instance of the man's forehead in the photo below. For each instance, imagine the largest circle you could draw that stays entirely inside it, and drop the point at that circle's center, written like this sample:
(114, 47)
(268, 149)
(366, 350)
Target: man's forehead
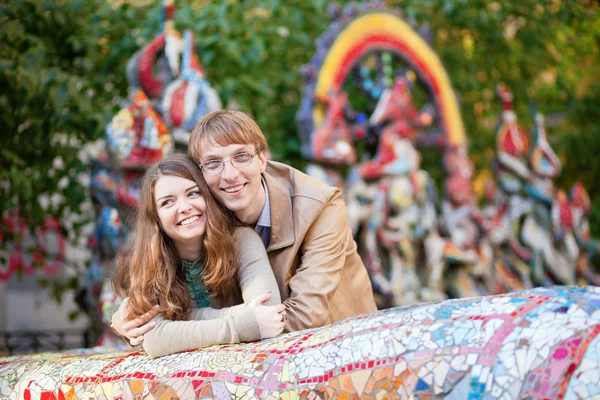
(217, 150)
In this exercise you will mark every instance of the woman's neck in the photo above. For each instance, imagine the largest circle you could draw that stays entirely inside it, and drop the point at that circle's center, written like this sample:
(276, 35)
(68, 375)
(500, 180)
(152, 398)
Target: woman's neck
(190, 252)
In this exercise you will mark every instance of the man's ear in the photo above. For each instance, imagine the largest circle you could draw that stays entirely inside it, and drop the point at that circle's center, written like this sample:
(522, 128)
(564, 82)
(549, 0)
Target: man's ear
(262, 156)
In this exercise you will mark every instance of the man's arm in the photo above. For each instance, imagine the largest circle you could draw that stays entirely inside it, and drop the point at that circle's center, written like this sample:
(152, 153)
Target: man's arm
(318, 276)
(133, 330)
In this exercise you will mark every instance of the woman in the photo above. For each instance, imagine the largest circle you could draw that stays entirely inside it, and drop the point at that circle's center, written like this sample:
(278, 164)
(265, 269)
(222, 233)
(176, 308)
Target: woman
(189, 258)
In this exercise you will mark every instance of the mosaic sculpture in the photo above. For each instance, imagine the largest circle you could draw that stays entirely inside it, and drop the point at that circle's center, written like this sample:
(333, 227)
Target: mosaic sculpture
(542, 343)
(359, 95)
(375, 96)
(535, 234)
(168, 94)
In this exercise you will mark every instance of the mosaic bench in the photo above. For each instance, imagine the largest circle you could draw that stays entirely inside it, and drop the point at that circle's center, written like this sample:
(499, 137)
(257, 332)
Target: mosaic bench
(542, 343)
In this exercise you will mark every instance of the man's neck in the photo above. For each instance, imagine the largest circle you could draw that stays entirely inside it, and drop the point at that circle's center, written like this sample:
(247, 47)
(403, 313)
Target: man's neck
(250, 214)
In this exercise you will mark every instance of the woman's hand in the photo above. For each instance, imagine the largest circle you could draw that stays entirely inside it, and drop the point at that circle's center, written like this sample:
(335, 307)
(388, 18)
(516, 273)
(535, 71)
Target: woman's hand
(271, 319)
(132, 329)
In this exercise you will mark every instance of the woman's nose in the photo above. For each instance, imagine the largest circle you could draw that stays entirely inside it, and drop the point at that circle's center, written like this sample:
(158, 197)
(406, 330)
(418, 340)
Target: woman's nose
(184, 206)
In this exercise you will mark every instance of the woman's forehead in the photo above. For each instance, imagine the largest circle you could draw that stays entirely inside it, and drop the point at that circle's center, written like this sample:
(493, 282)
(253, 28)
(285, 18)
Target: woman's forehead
(170, 184)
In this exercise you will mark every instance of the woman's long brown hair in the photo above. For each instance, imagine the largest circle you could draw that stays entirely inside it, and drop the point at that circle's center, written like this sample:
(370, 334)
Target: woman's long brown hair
(149, 269)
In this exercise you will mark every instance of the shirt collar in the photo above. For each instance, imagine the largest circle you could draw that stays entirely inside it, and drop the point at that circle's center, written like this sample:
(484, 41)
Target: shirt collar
(265, 216)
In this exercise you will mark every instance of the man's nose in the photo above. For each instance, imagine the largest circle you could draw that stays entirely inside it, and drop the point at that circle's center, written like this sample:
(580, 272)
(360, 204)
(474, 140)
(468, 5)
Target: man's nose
(229, 171)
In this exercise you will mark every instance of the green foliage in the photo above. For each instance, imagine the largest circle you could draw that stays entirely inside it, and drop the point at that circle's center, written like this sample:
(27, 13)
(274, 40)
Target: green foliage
(58, 81)
(61, 75)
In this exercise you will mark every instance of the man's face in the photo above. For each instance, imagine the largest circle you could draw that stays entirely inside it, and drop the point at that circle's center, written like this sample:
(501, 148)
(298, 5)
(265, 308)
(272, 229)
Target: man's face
(238, 189)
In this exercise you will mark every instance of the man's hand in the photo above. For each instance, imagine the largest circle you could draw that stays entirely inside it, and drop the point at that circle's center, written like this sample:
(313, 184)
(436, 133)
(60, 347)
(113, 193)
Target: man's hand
(132, 329)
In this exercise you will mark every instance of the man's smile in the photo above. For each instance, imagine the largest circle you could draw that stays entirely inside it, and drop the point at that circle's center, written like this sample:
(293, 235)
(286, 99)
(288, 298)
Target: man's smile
(233, 189)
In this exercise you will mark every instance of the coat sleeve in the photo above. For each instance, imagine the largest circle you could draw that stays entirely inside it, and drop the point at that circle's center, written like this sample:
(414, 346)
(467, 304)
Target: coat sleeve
(323, 254)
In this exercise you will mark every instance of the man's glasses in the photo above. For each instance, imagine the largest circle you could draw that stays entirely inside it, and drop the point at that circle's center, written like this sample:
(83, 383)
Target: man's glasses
(240, 160)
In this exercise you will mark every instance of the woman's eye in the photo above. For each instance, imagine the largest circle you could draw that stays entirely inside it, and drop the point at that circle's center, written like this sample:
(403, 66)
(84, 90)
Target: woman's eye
(193, 193)
(165, 203)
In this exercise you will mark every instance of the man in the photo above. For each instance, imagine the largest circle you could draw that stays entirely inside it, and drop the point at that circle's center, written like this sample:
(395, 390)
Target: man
(302, 221)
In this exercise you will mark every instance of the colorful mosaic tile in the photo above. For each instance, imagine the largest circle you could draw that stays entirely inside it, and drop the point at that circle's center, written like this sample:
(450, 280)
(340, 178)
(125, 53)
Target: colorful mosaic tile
(541, 343)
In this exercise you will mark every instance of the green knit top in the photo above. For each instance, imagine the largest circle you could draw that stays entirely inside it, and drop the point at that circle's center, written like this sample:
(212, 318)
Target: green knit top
(193, 278)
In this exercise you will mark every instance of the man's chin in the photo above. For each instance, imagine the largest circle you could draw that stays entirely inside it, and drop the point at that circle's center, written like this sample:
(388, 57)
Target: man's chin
(234, 205)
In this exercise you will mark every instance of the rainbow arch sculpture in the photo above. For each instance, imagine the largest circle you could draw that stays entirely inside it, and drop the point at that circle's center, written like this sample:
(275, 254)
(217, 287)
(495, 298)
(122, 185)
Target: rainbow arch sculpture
(358, 31)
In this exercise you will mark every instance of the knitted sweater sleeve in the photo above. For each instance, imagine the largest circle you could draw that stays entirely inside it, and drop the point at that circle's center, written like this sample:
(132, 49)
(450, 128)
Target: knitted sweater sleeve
(255, 277)
(254, 271)
(174, 336)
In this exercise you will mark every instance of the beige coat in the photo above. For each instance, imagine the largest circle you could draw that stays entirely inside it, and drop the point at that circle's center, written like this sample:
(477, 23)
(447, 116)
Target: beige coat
(312, 252)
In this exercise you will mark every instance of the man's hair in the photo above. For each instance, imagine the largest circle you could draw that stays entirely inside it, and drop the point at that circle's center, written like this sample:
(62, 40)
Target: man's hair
(225, 127)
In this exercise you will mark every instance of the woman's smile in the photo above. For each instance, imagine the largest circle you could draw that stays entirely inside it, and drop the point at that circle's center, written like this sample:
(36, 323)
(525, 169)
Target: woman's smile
(189, 220)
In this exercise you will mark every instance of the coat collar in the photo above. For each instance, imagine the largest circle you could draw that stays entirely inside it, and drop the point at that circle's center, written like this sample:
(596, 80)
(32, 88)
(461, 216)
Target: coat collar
(282, 220)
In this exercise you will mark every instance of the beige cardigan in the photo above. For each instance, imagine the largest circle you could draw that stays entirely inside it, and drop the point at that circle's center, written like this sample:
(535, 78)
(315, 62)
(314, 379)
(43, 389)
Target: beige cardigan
(215, 324)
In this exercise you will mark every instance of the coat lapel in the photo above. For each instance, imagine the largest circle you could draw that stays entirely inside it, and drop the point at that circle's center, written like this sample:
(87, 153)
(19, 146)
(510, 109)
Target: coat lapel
(282, 221)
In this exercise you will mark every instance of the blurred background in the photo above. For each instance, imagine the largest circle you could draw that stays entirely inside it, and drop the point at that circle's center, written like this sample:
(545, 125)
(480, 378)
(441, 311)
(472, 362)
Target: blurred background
(63, 78)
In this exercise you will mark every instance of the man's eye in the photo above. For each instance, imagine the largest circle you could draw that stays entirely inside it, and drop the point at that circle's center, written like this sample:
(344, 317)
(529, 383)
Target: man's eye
(242, 156)
(212, 163)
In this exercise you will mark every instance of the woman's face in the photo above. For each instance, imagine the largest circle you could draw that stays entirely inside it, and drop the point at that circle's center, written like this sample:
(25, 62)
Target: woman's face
(181, 211)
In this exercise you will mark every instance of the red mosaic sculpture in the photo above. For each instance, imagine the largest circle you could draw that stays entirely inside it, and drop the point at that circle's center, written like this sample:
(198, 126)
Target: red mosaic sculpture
(396, 107)
(137, 136)
(332, 141)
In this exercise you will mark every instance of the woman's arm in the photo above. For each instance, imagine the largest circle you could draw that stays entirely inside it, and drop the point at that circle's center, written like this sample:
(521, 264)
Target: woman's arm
(255, 277)
(204, 313)
(174, 336)
(254, 271)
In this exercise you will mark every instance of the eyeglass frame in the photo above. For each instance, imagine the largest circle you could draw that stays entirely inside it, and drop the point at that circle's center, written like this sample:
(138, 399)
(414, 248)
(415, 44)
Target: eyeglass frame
(252, 155)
